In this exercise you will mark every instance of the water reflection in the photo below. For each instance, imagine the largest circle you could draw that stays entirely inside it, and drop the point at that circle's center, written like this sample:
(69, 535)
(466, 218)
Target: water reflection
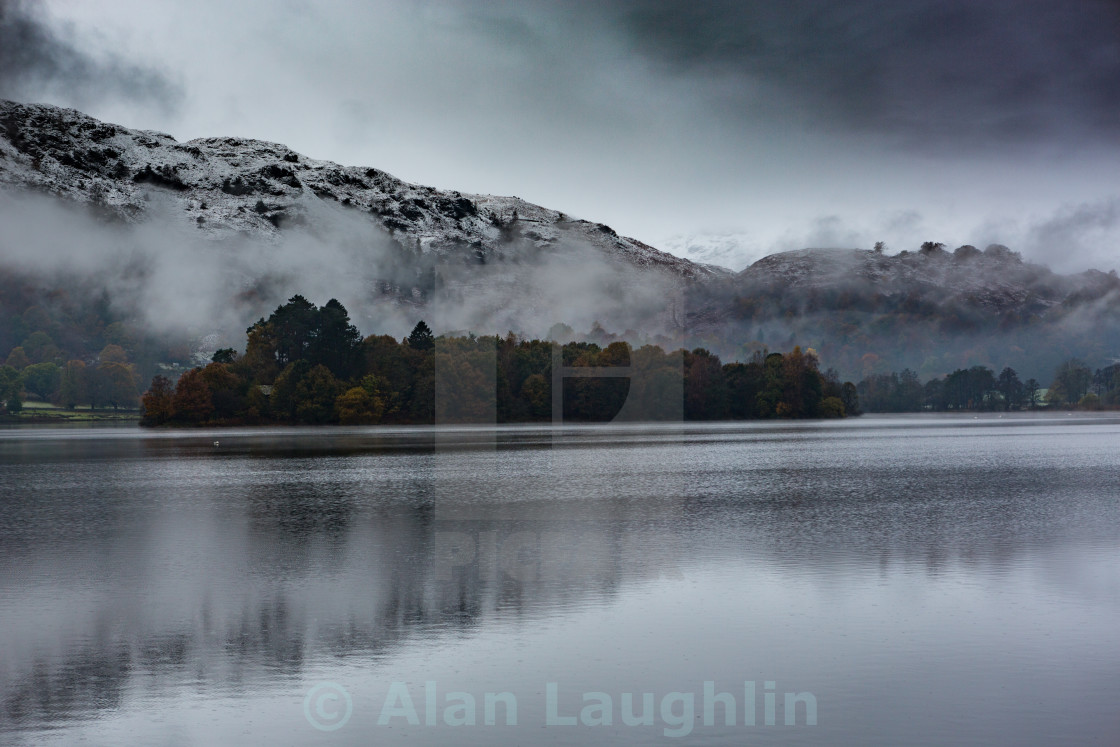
(138, 564)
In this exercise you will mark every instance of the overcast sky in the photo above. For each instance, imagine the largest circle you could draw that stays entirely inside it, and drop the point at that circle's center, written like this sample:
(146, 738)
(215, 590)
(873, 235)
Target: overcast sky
(755, 126)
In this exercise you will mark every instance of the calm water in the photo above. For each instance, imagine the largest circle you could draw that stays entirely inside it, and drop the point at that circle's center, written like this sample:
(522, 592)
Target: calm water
(914, 581)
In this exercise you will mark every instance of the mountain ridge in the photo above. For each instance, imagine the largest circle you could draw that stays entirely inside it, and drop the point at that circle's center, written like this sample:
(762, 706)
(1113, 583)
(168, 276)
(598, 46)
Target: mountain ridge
(498, 263)
(230, 184)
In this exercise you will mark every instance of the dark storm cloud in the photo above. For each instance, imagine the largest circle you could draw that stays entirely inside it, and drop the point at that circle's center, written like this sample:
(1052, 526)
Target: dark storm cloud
(923, 71)
(724, 122)
(37, 59)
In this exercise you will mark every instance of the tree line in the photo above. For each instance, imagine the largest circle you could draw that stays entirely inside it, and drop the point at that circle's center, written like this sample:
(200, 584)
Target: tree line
(67, 342)
(1074, 385)
(110, 381)
(308, 364)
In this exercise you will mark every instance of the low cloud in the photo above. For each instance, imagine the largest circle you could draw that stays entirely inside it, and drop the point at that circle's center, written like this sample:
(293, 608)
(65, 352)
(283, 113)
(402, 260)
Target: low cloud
(1077, 236)
(168, 277)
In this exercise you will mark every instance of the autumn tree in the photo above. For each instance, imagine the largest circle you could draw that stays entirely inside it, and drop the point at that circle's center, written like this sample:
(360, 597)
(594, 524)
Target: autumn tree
(893, 392)
(157, 402)
(305, 393)
(402, 368)
(354, 407)
(536, 391)
(831, 407)
(969, 388)
(225, 391)
(361, 405)
(260, 360)
(802, 390)
(744, 383)
(465, 384)
(285, 395)
(420, 404)
(1110, 380)
(656, 384)
(192, 401)
(112, 354)
(315, 396)
(933, 395)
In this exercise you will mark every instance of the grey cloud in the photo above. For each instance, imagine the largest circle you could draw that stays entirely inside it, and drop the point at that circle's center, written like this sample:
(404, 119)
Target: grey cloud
(38, 59)
(904, 230)
(923, 72)
(660, 118)
(1077, 235)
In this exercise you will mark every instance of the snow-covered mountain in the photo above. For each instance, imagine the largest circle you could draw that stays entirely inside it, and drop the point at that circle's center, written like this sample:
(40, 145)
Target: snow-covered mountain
(226, 186)
(932, 310)
(995, 279)
(487, 264)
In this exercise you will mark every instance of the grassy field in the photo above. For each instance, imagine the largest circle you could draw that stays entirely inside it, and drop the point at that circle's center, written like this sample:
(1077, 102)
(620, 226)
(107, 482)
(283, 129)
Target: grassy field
(45, 412)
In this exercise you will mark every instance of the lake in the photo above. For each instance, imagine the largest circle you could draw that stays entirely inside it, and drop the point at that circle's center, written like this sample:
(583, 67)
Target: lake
(920, 580)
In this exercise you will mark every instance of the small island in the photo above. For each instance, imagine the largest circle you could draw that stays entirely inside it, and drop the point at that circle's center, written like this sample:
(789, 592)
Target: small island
(311, 365)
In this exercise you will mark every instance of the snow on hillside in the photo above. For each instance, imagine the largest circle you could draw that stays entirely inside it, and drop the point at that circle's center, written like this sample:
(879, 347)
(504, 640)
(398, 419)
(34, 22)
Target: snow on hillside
(480, 262)
(996, 278)
(225, 186)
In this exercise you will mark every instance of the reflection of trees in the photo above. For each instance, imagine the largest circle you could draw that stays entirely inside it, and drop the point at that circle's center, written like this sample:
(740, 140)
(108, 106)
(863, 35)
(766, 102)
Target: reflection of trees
(306, 569)
(237, 581)
(828, 522)
(90, 678)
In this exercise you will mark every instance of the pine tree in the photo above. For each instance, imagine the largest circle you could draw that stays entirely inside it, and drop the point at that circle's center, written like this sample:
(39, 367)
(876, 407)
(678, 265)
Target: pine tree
(421, 337)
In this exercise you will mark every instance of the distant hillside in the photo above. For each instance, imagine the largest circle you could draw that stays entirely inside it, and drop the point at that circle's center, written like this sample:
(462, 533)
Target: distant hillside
(233, 226)
(932, 310)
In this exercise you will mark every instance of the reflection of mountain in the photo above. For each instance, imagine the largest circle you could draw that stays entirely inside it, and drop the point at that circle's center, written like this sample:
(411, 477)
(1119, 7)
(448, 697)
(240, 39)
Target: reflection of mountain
(161, 560)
